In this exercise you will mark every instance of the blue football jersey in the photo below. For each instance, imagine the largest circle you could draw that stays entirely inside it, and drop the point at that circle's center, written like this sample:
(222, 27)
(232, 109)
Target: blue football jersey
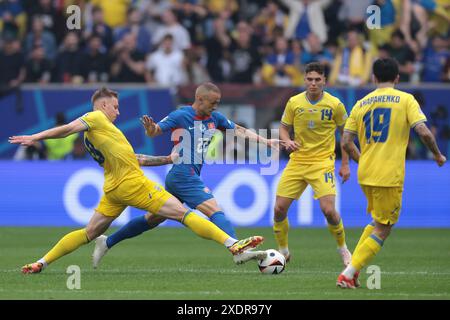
(192, 142)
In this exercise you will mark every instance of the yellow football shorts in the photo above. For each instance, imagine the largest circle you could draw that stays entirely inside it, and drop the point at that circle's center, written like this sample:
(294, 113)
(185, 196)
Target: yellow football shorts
(140, 193)
(296, 177)
(384, 203)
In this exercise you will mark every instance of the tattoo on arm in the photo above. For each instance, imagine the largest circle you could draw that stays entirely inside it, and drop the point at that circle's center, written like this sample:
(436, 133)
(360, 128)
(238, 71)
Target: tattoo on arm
(349, 146)
(427, 138)
(151, 161)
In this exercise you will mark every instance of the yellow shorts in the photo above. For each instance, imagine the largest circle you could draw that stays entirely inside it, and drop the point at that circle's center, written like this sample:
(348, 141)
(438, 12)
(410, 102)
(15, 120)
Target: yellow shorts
(297, 176)
(140, 193)
(384, 203)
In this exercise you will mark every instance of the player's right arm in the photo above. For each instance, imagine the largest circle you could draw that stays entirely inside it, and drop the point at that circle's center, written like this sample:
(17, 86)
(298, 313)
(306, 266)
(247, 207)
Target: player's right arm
(54, 133)
(289, 144)
(152, 129)
(349, 135)
(153, 161)
(286, 123)
(428, 139)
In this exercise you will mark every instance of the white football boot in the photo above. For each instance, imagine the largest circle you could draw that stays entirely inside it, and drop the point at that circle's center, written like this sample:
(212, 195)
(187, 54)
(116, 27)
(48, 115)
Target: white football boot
(248, 255)
(99, 251)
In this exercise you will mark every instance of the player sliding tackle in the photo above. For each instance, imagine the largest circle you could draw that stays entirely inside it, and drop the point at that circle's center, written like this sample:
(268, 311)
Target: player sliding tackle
(125, 184)
(382, 121)
(196, 125)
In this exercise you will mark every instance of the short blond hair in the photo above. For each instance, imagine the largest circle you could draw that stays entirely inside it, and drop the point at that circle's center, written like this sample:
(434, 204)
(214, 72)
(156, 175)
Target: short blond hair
(103, 93)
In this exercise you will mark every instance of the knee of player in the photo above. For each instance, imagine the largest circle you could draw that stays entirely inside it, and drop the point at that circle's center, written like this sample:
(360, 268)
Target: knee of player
(280, 211)
(329, 212)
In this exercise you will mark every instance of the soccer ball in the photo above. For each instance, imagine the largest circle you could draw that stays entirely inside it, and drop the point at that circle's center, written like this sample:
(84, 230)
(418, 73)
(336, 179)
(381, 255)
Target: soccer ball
(273, 264)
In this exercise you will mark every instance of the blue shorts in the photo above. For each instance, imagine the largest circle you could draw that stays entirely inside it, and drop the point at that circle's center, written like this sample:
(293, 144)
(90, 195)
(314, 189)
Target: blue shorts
(189, 189)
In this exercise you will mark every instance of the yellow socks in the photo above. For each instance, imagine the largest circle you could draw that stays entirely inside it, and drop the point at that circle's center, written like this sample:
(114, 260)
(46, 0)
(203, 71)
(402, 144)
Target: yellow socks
(338, 233)
(67, 244)
(367, 232)
(204, 228)
(366, 251)
(281, 229)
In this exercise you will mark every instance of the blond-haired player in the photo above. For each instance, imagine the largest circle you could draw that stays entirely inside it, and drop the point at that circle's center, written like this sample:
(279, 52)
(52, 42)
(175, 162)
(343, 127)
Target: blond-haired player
(382, 121)
(125, 184)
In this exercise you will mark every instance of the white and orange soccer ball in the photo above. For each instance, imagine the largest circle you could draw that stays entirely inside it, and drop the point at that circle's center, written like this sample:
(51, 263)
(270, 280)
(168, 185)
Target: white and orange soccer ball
(274, 263)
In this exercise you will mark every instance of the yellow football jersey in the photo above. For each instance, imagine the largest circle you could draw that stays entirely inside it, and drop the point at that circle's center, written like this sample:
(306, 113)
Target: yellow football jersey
(314, 126)
(382, 120)
(109, 147)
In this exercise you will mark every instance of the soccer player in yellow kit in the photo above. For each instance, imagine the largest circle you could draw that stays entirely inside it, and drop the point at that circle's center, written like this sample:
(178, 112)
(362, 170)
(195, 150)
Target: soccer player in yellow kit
(125, 184)
(314, 115)
(382, 121)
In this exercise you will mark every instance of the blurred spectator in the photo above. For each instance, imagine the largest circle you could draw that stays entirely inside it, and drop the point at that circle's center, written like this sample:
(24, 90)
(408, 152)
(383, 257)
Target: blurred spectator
(59, 149)
(440, 127)
(134, 25)
(279, 68)
(268, 20)
(305, 17)
(152, 11)
(314, 51)
(38, 36)
(399, 50)
(181, 38)
(69, 60)
(352, 64)
(353, 14)
(38, 68)
(52, 19)
(191, 15)
(388, 16)
(12, 66)
(115, 11)
(217, 47)
(95, 63)
(435, 59)
(37, 151)
(244, 57)
(100, 28)
(215, 7)
(196, 65)
(129, 63)
(166, 66)
(13, 19)
(79, 151)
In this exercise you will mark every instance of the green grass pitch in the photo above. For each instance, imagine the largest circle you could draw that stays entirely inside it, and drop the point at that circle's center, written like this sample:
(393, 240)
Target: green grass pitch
(173, 264)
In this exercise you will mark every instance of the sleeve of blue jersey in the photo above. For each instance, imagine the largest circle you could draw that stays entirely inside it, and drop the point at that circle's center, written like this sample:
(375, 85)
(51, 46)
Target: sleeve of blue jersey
(223, 122)
(169, 122)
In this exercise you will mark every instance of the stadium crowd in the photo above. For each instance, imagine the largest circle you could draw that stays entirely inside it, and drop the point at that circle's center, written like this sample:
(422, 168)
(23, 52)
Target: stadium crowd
(172, 43)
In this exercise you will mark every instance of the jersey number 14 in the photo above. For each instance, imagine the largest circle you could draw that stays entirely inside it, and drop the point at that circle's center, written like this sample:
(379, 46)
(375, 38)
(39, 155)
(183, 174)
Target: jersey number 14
(376, 123)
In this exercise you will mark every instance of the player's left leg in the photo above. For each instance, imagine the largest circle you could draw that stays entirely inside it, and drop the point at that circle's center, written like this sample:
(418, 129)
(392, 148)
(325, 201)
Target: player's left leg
(132, 229)
(364, 254)
(211, 209)
(72, 241)
(322, 179)
(335, 226)
(384, 204)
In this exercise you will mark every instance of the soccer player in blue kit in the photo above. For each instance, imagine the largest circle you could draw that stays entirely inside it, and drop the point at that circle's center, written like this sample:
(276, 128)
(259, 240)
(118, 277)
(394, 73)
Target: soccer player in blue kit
(198, 123)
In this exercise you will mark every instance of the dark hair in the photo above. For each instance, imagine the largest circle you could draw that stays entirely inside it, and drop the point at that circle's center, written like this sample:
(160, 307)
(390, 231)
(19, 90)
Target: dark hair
(103, 93)
(315, 66)
(385, 70)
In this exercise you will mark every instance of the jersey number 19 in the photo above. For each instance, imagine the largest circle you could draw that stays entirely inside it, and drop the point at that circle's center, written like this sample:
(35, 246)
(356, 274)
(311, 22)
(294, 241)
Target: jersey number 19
(376, 123)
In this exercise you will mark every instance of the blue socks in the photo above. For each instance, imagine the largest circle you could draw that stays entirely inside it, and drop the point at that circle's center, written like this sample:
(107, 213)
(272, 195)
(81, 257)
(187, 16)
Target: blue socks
(132, 229)
(219, 219)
